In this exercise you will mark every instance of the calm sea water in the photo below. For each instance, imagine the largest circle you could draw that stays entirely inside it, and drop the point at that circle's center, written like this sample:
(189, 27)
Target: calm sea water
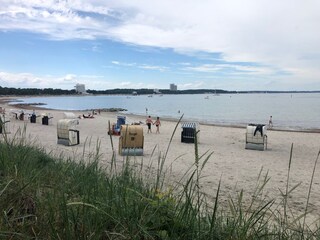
(292, 111)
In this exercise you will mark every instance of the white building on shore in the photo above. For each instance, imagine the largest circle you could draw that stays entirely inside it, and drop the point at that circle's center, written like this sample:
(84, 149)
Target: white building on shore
(156, 91)
(80, 88)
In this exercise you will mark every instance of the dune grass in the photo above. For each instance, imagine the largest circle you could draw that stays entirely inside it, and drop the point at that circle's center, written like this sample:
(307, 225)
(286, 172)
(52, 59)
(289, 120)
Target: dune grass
(42, 197)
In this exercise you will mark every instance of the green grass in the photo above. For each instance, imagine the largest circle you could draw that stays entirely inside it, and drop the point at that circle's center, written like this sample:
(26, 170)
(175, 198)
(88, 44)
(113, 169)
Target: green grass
(42, 197)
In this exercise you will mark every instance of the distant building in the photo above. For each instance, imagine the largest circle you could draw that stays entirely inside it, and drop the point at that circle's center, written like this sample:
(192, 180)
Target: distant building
(173, 87)
(80, 88)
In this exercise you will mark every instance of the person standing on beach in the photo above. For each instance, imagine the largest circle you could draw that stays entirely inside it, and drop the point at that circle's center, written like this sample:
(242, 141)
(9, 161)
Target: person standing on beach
(270, 122)
(158, 124)
(149, 122)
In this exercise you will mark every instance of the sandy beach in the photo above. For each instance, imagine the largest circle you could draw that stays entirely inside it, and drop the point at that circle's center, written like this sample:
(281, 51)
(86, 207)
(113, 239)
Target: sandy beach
(237, 167)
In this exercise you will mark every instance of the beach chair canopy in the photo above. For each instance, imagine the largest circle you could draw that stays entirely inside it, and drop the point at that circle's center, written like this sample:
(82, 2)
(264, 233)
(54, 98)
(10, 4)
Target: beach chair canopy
(69, 115)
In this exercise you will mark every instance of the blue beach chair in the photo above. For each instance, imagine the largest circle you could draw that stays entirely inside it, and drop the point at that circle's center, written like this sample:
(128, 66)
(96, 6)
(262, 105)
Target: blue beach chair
(121, 120)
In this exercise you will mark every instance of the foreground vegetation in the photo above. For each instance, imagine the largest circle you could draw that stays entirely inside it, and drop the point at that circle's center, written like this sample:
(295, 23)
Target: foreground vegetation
(42, 197)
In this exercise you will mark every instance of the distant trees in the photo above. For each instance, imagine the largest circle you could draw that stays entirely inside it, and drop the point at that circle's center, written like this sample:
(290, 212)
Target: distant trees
(123, 91)
(117, 91)
(142, 91)
(34, 91)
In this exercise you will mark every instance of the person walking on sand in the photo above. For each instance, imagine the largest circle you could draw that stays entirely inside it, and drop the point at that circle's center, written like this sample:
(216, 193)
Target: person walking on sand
(270, 122)
(158, 124)
(149, 122)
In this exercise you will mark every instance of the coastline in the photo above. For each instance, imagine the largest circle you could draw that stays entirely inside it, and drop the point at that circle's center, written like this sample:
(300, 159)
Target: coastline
(5, 100)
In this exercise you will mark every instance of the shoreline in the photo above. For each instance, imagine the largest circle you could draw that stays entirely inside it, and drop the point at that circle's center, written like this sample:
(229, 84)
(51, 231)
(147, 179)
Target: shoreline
(39, 106)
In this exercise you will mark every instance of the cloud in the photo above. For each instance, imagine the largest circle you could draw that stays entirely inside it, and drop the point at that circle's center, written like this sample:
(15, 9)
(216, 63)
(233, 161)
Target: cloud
(16, 80)
(69, 77)
(123, 64)
(96, 48)
(230, 69)
(280, 36)
(246, 31)
(192, 85)
(58, 20)
(134, 85)
(29, 80)
(95, 82)
(207, 68)
(152, 67)
(141, 66)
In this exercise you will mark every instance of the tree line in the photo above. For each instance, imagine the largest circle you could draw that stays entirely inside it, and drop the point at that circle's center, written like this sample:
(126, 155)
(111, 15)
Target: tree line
(34, 91)
(117, 91)
(144, 91)
(125, 91)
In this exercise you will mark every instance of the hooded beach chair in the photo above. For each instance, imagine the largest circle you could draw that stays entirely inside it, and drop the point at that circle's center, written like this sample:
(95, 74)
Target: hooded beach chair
(131, 140)
(4, 124)
(190, 130)
(121, 120)
(67, 133)
(256, 137)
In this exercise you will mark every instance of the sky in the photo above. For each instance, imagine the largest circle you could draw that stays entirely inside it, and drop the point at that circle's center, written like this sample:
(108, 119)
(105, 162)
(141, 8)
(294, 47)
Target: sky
(195, 44)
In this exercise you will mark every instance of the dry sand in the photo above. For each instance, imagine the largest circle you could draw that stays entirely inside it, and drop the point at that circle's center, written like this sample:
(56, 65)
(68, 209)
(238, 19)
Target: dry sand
(237, 167)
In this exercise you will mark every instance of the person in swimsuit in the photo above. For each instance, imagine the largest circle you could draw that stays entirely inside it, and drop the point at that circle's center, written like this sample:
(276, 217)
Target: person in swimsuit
(157, 123)
(149, 122)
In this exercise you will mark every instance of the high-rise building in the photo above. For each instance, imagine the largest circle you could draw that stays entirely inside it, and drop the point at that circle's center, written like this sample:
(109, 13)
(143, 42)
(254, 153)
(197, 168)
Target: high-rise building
(80, 88)
(173, 87)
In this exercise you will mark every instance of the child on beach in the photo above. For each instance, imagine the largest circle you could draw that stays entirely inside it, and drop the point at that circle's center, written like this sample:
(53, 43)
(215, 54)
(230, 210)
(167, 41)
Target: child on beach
(270, 122)
(149, 122)
(157, 123)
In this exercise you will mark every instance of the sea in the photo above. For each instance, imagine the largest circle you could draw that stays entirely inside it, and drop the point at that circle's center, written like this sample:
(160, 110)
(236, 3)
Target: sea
(296, 111)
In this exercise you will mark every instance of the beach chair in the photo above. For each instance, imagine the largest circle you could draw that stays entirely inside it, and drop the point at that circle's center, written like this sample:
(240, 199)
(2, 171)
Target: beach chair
(256, 137)
(121, 120)
(46, 118)
(21, 115)
(33, 118)
(190, 130)
(14, 113)
(4, 124)
(67, 133)
(131, 140)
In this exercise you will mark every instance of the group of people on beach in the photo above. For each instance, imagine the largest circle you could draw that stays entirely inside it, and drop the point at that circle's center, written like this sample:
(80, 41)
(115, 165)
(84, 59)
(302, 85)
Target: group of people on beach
(149, 122)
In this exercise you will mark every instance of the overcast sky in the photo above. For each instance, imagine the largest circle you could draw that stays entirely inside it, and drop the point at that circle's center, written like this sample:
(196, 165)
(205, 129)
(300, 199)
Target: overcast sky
(225, 44)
